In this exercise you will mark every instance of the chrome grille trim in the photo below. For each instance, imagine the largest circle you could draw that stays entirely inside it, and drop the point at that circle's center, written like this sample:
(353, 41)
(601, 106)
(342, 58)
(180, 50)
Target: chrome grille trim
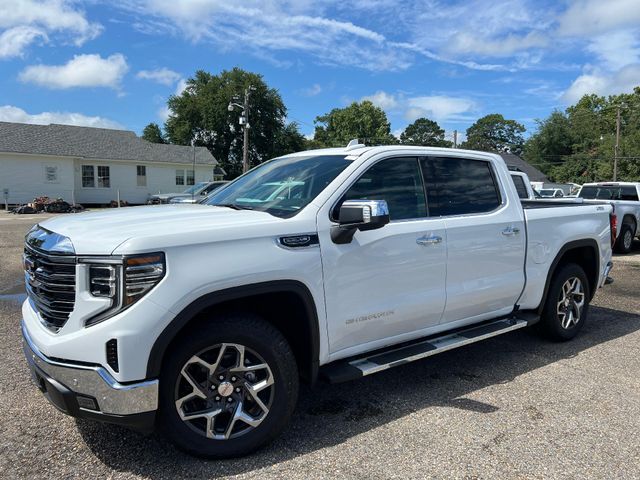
(50, 281)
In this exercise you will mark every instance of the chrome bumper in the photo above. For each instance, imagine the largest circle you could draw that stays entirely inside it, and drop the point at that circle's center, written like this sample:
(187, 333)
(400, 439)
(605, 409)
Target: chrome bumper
(92, 381)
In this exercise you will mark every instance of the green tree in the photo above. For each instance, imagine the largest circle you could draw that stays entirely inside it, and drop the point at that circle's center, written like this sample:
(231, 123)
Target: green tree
(289, 140)
(153, 134)
(424, 132)
(361, 120)
(494, 133)
(200, 112)
(551, 143)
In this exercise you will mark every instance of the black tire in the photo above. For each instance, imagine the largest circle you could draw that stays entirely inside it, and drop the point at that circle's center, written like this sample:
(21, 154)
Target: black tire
(551, 322)
(624, 244)
(260, 338)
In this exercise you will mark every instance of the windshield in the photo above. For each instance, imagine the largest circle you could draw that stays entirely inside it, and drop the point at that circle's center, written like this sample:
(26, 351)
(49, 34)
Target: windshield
(195, 188)
(609, 192)
(282, 186)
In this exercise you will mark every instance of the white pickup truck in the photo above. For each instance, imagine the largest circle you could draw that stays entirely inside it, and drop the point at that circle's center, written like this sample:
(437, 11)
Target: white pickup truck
(625, 198)
(201, 319)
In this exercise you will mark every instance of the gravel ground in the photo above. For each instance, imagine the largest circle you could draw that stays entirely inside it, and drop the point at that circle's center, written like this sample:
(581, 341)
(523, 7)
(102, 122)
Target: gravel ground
(511, 407)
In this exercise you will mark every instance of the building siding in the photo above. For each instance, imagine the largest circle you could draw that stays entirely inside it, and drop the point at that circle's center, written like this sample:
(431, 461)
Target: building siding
(25, 177)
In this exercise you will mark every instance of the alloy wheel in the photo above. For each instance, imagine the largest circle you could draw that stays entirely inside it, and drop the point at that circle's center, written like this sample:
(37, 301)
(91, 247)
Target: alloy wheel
(570, 303)
(224, 391)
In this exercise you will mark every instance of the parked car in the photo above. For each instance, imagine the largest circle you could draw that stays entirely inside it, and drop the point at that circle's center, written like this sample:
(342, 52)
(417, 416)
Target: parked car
(625, 198)
(551, 193)
(192, 191)
(201, 319)
(200, 195)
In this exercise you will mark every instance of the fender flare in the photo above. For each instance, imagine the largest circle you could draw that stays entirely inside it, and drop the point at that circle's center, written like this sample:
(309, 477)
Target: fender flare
(171, 331)
(587, 242)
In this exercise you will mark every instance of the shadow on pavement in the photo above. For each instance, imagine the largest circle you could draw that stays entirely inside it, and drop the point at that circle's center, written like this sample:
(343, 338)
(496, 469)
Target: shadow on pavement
(330, 414)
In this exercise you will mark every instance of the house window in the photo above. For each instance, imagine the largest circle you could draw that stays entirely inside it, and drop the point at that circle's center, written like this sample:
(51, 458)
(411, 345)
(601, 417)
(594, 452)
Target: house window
(51, 173)
(179, 177)
(141, 175)
(103, 177)
(191, 178)
(88, 177)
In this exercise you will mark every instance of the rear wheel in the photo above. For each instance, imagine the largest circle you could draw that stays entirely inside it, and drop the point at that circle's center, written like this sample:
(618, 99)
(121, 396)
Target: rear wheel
(567, 303)
(228, 387)
(625, 241)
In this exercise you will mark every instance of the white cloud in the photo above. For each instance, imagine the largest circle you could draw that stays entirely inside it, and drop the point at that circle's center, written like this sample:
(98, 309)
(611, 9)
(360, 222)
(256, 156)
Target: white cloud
(163, 76)
(80, 71)
(311, 91)
(438, 107)
(9, 113)
(602, 83)
(587, 17)
(163, 113)
(15, 40)
(180, 87)
(616, 49)
(23, 21)
(383, 100)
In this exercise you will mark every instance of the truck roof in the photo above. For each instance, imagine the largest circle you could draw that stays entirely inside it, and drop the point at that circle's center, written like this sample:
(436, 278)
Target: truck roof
(610, 184)
(359, 149)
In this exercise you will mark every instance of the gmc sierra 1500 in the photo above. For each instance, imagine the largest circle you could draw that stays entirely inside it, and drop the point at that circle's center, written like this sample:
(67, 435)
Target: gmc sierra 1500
(200, 319)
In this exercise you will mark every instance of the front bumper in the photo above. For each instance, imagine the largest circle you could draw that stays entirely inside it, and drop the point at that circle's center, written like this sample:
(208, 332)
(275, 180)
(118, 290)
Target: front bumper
(89, 391)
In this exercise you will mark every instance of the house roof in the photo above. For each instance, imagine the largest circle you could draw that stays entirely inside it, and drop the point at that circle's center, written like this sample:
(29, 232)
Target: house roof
(95, 143)
(532, 172)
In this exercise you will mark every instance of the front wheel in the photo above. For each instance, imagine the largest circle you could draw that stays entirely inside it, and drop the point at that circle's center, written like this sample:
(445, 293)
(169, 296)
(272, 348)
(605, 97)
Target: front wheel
(567, 303)
(228, 387)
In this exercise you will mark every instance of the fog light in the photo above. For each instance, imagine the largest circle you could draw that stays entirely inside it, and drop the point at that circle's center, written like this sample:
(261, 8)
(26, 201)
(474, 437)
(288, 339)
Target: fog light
(88, 403)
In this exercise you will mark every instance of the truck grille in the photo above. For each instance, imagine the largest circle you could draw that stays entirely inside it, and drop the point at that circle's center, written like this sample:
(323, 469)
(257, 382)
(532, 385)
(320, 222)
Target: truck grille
(50, 281)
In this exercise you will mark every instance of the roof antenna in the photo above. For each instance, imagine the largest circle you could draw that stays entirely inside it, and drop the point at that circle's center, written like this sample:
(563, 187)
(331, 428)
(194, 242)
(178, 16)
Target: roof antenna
(353, 144)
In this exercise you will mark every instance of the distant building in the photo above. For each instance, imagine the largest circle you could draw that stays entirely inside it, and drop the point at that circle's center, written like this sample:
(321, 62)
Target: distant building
(532, 172)
(90, 165)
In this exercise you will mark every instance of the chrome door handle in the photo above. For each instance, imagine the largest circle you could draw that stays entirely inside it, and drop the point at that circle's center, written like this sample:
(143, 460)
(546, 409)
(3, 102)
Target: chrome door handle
(510, 231)
(429, 240)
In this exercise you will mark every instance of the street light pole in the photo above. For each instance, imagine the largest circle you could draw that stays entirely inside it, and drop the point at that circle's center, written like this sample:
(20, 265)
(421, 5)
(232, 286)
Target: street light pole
(617, 146)
(244, 122)
(245, 143)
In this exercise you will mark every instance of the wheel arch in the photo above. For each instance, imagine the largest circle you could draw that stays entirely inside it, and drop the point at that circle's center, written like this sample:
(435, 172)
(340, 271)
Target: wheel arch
(630, 219)
(266, 299)
(585, 253)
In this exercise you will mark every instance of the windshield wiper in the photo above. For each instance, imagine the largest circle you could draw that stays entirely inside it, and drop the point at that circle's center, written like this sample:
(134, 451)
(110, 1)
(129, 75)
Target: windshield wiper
(235, 206)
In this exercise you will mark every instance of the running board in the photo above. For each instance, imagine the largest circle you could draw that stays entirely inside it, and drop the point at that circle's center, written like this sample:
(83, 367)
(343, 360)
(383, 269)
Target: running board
(351, 369)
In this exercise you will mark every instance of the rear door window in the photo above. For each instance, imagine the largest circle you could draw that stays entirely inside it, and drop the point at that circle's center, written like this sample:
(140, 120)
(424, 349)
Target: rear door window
(459, 186)
(520, 186)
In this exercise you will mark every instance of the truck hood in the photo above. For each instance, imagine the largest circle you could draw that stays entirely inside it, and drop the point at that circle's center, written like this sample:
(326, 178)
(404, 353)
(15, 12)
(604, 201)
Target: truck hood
(100, 233)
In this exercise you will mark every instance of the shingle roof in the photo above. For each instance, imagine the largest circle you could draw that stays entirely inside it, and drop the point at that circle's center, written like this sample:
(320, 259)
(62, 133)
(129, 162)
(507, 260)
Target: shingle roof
(97, 143)
(532, 172)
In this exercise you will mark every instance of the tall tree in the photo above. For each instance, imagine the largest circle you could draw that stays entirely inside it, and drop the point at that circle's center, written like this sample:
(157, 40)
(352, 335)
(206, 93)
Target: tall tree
(424, 132)
(200, 112)
(289, 140)
(153, 134)
(494, 133)
(361, 120)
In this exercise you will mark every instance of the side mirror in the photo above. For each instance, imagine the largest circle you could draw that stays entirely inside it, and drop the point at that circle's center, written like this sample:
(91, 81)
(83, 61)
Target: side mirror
(359, 215)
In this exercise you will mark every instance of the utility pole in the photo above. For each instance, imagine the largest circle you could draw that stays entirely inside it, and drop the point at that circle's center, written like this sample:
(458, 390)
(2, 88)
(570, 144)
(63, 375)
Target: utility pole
(455, 139)
(244, 122)
(617, 146)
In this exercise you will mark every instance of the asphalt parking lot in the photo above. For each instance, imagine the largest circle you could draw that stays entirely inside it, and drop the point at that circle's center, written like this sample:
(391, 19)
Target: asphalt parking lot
(511, 407)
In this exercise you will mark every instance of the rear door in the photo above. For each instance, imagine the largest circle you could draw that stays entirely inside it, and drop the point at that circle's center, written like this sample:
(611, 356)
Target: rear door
(485, 237)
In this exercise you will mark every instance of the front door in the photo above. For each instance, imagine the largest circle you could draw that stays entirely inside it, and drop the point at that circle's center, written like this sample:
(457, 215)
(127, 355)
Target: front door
(387, 284)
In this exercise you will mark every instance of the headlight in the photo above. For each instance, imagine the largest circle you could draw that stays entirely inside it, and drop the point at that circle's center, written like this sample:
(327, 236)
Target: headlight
(123, 281)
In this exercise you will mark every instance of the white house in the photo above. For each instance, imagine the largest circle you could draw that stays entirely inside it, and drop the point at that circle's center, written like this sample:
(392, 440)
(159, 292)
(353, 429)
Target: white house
(94, 165)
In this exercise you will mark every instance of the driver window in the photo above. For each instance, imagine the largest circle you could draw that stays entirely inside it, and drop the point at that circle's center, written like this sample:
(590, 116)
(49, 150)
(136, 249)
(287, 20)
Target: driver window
(396, 180)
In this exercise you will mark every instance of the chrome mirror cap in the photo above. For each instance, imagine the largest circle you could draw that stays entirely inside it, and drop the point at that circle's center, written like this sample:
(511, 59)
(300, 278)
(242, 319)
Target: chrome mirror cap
(359, 215)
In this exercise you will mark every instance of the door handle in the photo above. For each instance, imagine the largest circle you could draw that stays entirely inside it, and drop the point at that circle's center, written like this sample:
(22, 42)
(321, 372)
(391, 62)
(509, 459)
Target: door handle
(510, 231)
(429, 240)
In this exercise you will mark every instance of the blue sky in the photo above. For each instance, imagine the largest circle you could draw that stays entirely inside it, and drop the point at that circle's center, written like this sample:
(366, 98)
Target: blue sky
(114, 64)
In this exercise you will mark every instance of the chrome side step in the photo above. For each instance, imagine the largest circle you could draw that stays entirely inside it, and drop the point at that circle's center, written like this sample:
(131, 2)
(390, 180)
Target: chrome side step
(350, 369)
